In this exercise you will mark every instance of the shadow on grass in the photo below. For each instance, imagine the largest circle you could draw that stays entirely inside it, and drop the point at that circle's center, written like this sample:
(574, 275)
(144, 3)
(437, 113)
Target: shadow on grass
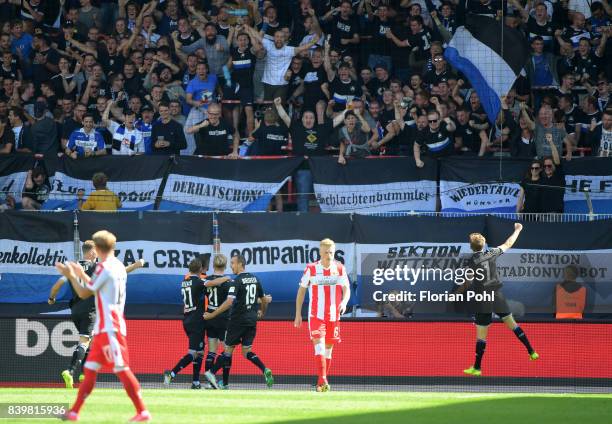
(522, 410)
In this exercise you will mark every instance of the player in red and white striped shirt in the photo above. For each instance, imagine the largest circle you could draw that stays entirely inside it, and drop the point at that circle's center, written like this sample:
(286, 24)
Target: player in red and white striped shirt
(328, 292)
(109, 345)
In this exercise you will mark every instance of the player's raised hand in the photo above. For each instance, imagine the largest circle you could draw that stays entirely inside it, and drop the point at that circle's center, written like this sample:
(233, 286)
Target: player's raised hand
(77, 270)
(518, 226)
(297, 322)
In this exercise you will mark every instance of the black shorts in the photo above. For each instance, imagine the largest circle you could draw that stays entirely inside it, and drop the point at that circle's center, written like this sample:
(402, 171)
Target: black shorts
(243, 94)
(84, 322)
(237, 334)
(216, 328)
(195, 333)
(484, 319)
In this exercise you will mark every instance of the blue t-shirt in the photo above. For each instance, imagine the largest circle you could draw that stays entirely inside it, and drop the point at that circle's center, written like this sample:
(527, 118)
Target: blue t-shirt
(202, 89)
(81, 142)
(24, 43)
(542, 74)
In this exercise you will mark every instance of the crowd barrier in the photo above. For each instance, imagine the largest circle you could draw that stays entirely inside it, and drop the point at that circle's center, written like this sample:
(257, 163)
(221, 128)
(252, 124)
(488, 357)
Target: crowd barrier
(364, 186)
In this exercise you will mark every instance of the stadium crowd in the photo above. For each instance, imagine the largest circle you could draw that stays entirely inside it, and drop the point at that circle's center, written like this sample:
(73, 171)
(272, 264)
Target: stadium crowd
(304, 77)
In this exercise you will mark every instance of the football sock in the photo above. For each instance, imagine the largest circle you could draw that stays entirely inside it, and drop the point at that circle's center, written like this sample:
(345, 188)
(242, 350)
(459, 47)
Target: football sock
(210, 360)
(255, 360)
(520, 334)
(328, 359)
(321, 369)
(185, 360)
(77, 358)
(132, 387)
(197, 367)
(85, 389)
(227, 365)
(480, 350)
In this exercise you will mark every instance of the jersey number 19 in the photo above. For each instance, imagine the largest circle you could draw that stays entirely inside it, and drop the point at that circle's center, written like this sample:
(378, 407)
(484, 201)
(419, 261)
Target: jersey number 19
(251, 294)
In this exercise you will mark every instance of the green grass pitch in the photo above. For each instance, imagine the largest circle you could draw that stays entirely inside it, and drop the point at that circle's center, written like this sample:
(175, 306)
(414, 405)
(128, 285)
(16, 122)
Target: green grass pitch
(295, 407)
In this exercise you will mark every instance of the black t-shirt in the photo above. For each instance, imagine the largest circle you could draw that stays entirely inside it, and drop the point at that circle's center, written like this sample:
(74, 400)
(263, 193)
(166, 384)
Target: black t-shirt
(470, 136)
(401, 55)
(571, 119)
(313, 79)
(7, 137)
(78, 305)
(489, 9)
(69, 126)
(487, 262)
(214, 141)
(217, 295)
(378, 87)
(532, 200)
(343, 29)
(295, 80)
(246, 289)
(547, 32)
(437, 143)
(310, 142)
(192, 291)
(553, 191)
(190, 39)
(422, 41)
(243, 65)
(269, 139)
(380, 44)
(171, 132)
(344, 92)
(39, 193)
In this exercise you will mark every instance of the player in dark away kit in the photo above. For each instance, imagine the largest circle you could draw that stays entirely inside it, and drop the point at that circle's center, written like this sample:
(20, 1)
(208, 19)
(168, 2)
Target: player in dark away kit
(192, 290)
(244, 294)
(485, 261)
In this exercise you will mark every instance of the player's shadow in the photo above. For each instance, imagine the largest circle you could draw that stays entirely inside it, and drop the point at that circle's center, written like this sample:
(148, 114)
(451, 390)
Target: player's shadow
(499, 410)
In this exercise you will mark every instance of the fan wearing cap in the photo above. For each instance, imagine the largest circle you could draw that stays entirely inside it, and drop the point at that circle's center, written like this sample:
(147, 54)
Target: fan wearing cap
(127, 139)
(145, 125)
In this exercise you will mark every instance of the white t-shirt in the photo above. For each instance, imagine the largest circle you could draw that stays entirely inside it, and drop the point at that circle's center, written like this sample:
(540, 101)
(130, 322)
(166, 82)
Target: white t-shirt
(582, 6)
(127, 139)
(277, 63)
(605, 145)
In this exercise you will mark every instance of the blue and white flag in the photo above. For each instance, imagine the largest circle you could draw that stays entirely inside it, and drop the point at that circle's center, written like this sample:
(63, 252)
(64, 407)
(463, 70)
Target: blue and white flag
(491, 56)
(195, 183)
(134, 179)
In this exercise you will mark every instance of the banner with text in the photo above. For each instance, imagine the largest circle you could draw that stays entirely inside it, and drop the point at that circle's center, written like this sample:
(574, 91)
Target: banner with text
(590, 176)
(13, 172)
(197, 183)
(30, 245)
(410, 265)
(374, 185)
(480, 185)
(135, 179)
(277, 247)
(166, 241)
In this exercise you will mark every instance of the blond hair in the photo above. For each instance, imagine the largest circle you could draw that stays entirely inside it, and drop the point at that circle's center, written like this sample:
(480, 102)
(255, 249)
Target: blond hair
(477, 241)
(327, 242)
(220, 261)
(105, 241)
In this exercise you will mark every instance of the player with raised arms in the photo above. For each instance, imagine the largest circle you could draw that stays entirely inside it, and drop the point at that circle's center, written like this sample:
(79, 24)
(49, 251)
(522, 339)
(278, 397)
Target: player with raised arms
(486, 279)
(243, 296)
(328, 295)
(82, 312)
(109, 346)
(192, 291)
